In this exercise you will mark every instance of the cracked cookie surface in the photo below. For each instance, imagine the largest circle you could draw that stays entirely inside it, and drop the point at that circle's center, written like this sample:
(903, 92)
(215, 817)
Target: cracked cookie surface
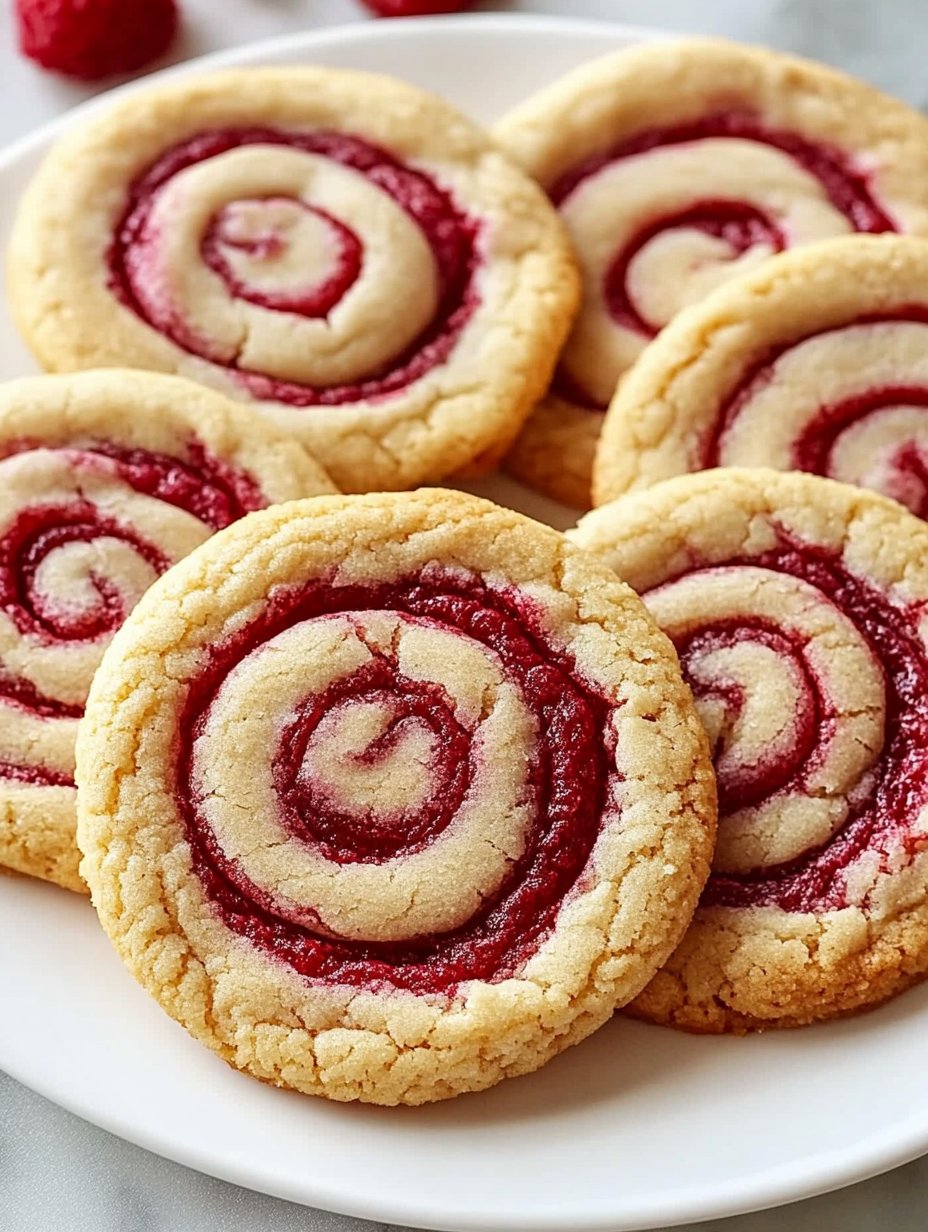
(816, 362)
(391, 797)
(797, 607)
(106, 479)
(343, 252)
(677, 166)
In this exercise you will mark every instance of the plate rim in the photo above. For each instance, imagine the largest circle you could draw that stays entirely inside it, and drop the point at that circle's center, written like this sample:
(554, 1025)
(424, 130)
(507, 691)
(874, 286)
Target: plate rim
(819, 1174)
(385, 30)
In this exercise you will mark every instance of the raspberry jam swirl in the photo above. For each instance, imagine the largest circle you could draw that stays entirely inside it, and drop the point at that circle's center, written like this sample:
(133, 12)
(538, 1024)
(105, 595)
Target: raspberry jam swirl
(313, 268)
(84, 531)
(413, 806)
(812, 683)
(668, 215)
(850, 403)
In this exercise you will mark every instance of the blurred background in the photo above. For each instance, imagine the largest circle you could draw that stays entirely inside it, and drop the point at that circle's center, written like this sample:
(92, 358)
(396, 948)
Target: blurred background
(884, 41)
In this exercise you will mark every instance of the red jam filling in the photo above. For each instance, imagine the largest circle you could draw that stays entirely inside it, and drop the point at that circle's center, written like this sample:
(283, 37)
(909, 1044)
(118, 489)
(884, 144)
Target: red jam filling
(906, 466)
(34, 776)
(317, 301)
(885, 817)
(16, 691)
(373, 837)
(813, 450)
(738, 224)
(743, 785)
(741, 227)
(451, 234)
(44, 529)
(845, 184)
(568, 785)
(203, 486)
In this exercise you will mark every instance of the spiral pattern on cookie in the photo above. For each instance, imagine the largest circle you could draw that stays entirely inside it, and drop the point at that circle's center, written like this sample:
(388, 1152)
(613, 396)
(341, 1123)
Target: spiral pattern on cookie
(683, 167)
(347, 255)
(850, 403)
(416, 802)
(810, 672)
(315, 267)
(798, 670)
(426, 796)
(798, 609)
(669, 215)
(812, 685)
(106, 480)
(84, 531)
(825, 371)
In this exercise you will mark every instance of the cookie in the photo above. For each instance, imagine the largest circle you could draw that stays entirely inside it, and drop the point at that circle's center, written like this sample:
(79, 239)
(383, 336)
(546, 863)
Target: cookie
(816, 362)
(391, 797)
(341, 251)
(677, 166)
(106, 479)
(798, 608)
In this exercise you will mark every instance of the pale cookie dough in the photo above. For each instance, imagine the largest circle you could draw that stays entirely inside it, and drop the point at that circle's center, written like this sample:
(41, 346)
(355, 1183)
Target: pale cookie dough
(798, 608)
(677, 166)
(816, 362)
(345, 253)
(106, 479)
(391, 797)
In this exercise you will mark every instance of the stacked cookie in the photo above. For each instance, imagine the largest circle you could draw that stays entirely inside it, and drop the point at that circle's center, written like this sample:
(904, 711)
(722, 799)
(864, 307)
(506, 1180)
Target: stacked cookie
(678, 167)
(394, 794)
(391, 797)
(796, 606)
(107, 478)
(795, 603)
(342, 252)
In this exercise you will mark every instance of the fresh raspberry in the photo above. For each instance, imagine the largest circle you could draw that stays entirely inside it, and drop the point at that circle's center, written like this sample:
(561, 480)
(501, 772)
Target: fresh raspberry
(415, 8)
(94, 38)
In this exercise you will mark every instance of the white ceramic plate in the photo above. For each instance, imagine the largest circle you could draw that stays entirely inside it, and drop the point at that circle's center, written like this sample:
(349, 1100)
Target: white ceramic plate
(637, 1128)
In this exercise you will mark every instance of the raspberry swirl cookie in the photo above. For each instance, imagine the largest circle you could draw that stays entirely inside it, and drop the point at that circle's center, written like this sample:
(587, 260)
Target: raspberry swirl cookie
(816, 362)
(342, 251)
(677, 166)
(799, 609)
(106, 479)
(391, 797)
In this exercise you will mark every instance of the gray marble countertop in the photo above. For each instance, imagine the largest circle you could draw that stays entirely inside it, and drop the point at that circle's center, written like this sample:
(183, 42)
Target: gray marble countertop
(59, 1174)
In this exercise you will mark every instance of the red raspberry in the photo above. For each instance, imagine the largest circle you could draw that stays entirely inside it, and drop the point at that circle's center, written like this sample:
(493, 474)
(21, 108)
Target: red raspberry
(94, 38)
(415, 8)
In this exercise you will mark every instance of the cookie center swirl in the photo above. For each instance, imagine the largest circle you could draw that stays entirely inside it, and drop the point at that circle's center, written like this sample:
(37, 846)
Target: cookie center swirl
(812, 686)
(84, 531)
(64, 571)
(314, 268)
(850, 403)
(393, 783)
(399, 744)
(283, 255)
(665, 217)
(793, 701)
